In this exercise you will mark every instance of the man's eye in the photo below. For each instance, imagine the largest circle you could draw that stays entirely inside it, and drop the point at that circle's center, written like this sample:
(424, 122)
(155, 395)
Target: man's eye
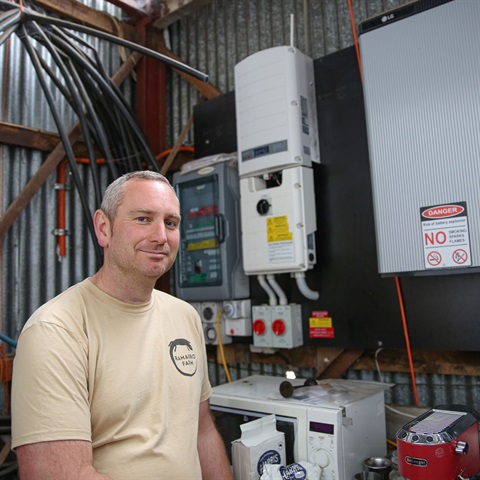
(172, 223)
(142, 219)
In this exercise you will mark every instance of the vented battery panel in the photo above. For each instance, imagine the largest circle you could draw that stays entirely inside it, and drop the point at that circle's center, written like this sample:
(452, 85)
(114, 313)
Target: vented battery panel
(421, 78)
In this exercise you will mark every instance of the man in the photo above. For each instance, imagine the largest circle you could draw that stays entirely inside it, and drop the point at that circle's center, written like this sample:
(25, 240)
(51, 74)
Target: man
(110, 377)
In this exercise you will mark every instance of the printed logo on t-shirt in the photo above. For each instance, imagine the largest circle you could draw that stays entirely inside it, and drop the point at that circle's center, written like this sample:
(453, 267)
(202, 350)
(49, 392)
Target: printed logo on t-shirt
(183, 356)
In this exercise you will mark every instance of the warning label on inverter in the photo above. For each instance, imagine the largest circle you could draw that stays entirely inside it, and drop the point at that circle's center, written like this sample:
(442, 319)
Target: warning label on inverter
(446, 239)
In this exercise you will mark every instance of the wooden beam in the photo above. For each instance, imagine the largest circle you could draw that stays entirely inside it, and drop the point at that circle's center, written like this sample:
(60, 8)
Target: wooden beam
(52, 161)
(34, 138)
(80, 13)
(325, 360)
(132, 8)
(428, 362)
(342, 363)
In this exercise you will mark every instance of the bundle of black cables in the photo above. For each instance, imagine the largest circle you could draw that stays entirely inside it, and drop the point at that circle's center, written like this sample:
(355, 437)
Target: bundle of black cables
(106, 120)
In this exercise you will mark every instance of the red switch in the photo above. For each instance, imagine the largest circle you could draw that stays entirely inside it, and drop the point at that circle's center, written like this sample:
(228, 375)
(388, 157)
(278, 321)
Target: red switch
(278, 327)
(259, 327)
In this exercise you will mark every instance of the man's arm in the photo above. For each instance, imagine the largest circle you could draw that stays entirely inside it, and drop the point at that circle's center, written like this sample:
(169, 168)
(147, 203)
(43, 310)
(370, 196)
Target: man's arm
(58, 460)
(211, 449)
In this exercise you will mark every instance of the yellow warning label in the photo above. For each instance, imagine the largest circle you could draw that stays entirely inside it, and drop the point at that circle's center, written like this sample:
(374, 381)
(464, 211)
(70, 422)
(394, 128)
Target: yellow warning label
(211, 243)
(277, 229)
(277, 221)
(320, 322)
(280, 237)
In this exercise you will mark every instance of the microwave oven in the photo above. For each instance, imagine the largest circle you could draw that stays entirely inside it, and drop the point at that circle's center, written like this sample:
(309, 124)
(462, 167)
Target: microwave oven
(335, 424)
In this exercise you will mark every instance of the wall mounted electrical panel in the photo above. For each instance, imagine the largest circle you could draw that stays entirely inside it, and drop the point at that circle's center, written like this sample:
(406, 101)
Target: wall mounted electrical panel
(213, 326)
(421, 70)
(277, 139)
(277, 326)
(209, 263)
(238, 317)
(276, 111)
(279, 222)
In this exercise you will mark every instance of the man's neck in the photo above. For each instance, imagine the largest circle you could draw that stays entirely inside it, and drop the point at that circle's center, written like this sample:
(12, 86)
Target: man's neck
(132, 291)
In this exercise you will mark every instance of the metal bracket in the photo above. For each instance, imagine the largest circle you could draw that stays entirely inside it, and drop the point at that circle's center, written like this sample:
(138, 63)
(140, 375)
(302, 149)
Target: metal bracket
(60, 232)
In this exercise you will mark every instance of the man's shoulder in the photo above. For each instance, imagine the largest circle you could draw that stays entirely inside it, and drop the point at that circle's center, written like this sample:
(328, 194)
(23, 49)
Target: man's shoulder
(62, 306)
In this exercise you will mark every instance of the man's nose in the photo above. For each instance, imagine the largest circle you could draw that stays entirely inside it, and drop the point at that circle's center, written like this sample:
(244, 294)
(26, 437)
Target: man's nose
(159, 232)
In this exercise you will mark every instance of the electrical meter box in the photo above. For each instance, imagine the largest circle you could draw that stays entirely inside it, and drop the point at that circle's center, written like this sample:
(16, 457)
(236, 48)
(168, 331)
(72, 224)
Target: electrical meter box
(276, 111)
(209, 261)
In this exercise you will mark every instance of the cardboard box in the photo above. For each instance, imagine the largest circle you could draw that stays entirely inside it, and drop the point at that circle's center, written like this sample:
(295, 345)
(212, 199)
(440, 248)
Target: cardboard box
(261, 443)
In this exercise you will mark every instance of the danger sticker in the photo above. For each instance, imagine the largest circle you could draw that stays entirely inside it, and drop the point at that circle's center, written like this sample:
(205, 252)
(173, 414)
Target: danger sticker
(321, 325)
(446, 238)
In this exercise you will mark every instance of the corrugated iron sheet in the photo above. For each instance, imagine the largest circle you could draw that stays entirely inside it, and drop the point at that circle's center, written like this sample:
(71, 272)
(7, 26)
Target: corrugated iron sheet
(212, 39)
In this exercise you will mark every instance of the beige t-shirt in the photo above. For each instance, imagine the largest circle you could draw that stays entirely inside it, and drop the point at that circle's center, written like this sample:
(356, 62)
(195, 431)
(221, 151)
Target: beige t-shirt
(128, 378)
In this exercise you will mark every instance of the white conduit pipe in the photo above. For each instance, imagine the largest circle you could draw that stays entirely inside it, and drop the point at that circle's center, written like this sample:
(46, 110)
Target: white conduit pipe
(272, 299)
(303, 287)
(282, 298)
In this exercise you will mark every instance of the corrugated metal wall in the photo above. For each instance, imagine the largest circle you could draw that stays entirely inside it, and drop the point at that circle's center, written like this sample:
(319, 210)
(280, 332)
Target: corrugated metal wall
(213, 39)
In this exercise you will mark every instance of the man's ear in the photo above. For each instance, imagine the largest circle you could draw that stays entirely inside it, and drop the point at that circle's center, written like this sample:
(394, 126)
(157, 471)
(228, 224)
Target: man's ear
(103, 229)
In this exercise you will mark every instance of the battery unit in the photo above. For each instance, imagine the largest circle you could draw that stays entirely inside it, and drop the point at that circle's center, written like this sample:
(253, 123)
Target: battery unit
(421, 70)
(209, 262)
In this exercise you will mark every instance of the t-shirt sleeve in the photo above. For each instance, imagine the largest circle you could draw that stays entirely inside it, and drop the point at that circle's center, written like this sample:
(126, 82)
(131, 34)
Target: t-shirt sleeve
(50, 398)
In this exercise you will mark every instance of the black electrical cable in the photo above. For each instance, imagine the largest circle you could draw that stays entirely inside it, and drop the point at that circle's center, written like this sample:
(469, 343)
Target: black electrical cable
(76, 103)
(105, 118)
(28, 14)
(58, 83)
(9, 18)
(106, 88)
(114, 91)
(87, 133)
(7, 33)
(127, 129)
(109, 117)
(63, 135)
(95, 125)
(95, 61)
(97, 128)
(31, 15)
(9, 24)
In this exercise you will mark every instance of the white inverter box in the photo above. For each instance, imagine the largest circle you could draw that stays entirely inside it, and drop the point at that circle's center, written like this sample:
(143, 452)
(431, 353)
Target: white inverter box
(276, 111)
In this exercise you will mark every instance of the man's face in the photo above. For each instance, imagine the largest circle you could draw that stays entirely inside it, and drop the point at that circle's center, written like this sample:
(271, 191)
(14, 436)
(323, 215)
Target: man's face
(144, 237)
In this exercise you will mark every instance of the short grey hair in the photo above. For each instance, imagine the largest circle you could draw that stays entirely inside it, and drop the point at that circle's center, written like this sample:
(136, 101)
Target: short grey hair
(114, 193)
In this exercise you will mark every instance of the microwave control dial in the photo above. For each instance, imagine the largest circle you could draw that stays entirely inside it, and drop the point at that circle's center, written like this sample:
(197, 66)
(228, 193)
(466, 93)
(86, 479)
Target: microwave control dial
(322, 458)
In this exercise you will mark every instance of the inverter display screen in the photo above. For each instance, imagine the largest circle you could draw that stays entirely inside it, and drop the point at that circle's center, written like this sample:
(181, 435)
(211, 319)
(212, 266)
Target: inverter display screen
(200, 259)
